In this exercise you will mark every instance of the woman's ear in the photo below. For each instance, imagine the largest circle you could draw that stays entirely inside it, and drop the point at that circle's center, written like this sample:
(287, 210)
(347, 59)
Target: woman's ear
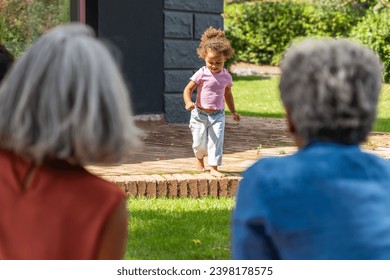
(291, 127)
(299, 142)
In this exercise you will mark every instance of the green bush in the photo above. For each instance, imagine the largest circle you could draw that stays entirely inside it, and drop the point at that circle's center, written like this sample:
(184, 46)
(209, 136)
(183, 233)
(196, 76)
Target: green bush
(374, 32)
(331, 20)
(261, 31)
(22, 22)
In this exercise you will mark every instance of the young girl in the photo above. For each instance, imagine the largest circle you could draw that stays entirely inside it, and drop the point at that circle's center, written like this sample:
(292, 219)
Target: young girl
(213, 83)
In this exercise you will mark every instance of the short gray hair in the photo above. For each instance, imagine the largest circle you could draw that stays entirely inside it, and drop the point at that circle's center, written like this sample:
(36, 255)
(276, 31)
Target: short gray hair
(330, 88)
(66, 98)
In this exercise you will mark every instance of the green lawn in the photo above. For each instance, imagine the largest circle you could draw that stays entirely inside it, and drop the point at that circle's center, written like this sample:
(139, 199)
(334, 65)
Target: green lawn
(179, 229)
(199, 229)
(259, 96)
(383, 121)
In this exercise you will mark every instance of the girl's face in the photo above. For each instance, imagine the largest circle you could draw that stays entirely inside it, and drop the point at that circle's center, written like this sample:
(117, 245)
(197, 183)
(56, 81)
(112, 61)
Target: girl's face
(214, 61)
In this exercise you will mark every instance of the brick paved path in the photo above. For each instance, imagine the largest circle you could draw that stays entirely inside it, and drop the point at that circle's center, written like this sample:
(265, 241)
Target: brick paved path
(165, 165)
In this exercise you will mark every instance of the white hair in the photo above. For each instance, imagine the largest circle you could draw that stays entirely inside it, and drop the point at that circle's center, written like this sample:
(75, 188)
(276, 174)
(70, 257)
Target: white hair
(330, 88)
(66, 98)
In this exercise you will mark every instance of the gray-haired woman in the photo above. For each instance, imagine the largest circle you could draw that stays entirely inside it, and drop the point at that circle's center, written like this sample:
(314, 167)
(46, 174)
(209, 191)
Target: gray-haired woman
(64, 104)
(330, 200)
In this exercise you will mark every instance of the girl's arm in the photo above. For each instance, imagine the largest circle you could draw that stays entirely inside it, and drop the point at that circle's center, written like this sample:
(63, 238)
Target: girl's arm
(188, 90)
(230, 103)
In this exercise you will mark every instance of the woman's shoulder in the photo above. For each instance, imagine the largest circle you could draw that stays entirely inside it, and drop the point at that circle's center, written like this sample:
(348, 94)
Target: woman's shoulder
(79, 179)
(272, 163)
(267, 168)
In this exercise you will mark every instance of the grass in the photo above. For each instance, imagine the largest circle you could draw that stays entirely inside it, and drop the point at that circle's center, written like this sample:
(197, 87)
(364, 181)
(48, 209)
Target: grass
(179, 229)
(259, 96)
(199, 229)
(383, 120)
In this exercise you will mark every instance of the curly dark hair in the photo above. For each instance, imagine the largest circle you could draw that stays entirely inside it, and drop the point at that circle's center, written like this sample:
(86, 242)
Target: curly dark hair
(214, 40)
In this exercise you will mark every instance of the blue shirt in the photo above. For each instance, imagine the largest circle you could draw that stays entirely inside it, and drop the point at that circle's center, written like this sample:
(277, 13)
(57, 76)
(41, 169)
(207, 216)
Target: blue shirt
(327, 201)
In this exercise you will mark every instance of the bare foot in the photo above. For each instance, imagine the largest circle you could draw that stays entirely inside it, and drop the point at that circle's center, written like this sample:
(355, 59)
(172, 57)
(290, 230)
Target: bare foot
(214, 171)
(200, 164)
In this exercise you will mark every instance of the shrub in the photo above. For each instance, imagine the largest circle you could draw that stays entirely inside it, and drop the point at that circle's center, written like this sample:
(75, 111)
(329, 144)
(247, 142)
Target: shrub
(331, 20)
(261, 31)
(374, 32)
(22, 22)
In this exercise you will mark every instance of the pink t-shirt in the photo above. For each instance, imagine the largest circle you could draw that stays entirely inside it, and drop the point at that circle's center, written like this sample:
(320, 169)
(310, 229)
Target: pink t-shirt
(211, 88)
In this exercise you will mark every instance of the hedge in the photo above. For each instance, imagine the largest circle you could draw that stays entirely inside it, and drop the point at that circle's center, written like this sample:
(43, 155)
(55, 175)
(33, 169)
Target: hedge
(261, 31)
(22, 22)
(374, 32)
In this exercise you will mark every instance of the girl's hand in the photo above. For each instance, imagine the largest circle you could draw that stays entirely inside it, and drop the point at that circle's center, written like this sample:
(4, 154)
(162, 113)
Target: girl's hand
(190, 106)
(236, 116)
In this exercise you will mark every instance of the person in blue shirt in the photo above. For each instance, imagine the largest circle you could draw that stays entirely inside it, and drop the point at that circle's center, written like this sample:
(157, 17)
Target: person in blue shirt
(329, 200)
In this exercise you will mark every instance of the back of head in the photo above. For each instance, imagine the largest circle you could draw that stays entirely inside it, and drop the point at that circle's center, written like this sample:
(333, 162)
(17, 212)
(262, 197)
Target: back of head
(65, 98)
(330, 88)
(6, 60)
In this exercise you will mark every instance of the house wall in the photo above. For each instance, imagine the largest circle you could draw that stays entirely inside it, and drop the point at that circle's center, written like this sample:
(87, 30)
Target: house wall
(157, 40)
(184, 23)
(136, 28)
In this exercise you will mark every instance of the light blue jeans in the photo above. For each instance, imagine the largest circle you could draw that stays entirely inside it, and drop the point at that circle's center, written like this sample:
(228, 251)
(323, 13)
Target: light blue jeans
(208, 134)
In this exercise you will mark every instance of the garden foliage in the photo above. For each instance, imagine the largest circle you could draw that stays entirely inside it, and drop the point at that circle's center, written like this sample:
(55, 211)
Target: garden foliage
(374, 31)
(22, 21)
(260, 31)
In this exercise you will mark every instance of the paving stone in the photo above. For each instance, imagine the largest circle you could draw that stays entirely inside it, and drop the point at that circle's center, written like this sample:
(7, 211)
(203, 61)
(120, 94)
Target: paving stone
(167, 150)
(192, 185)
(172, 185)
(151, 189)
(182, 185)
(203, 185)
(213, 187)
(162, 189)
(141, 184)
(132, 188)
(223, 187)
(233, 185)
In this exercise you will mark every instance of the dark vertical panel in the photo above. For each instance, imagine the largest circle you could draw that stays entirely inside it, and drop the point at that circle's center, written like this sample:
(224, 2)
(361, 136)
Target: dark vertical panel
(74, 10)
(92, 14)
(136, 28)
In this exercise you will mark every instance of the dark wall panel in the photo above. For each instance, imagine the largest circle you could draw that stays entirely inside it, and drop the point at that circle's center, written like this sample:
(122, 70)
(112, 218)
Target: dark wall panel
(92, 14)
(136, 28)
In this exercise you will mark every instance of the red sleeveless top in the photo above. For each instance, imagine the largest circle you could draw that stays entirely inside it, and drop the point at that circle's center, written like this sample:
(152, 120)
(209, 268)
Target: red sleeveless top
(60, 215)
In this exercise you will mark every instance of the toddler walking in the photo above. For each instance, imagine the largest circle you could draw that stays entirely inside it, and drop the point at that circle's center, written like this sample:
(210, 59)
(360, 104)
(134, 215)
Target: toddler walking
(213, 83)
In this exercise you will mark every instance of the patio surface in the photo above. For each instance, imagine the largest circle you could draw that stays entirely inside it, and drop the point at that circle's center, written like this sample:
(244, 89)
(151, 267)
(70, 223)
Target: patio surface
(165, 166)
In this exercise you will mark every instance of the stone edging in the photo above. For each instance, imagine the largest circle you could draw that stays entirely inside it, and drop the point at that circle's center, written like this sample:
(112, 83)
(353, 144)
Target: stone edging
(176, 185)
